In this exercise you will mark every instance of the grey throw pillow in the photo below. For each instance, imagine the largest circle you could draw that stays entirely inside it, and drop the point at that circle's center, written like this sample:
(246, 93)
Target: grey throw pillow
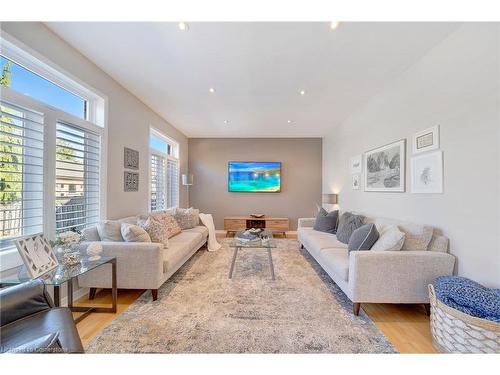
(326, 221)
(348, 223)
(363, 238)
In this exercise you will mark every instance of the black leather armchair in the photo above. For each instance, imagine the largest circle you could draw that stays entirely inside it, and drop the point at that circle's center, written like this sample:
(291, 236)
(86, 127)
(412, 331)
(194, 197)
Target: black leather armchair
(29, 322)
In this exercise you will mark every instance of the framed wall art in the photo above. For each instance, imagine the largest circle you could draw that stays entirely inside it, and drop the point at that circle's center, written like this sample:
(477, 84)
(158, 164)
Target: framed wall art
(131, 181)
(427, 173)
(130, 158)
(356, 181)
(385, 168)
(426, 140)
(356, 164)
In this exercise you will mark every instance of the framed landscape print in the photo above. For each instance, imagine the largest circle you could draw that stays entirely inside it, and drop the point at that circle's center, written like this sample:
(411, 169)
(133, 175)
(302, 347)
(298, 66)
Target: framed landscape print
(385, 168)
(426, 140)
(356, 181)
(427, 173)
(356, 164)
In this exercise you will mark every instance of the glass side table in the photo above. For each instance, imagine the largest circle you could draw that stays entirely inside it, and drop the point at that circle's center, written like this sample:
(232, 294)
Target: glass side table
(67, 274)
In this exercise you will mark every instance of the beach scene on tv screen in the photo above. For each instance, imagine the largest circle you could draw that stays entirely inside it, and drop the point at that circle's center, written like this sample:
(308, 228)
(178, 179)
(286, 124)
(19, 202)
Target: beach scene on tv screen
(255, 177)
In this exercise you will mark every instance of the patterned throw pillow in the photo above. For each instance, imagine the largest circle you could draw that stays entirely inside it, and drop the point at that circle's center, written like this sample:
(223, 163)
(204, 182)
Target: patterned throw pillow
(157, 231)
(187, 217)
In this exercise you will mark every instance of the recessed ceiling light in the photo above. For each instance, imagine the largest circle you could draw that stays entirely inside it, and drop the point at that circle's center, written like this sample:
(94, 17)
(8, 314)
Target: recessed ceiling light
(302, 92)
(334, 25)
(226, 122)
(211, 89)
(183, 26)
(289, 121)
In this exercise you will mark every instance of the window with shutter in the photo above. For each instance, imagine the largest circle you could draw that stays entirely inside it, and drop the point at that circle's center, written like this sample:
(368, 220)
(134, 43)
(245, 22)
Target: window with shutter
(77, 177)
(164, 177)
(157, 182)
(21, 169)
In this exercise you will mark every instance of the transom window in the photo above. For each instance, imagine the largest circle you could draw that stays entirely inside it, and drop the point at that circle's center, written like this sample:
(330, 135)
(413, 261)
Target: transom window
(164, 172)
(30, 84)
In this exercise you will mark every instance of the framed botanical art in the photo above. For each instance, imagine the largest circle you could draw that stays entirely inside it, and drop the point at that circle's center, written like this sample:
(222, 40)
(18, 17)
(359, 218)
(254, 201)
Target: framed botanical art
(130, 158)
(356, 181)
(385, 168)
(426, 140)
(37, 254)
(427, 173)
(356, 164)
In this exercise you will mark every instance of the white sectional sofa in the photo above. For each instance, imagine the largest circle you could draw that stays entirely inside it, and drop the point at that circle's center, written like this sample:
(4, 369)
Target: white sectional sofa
(142, 265)
(380, 276)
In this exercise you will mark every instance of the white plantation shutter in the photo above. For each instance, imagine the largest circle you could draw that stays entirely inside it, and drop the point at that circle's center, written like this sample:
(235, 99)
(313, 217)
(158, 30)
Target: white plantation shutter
(157, 182)
(21, 172)
(77, 177)
(172, 182)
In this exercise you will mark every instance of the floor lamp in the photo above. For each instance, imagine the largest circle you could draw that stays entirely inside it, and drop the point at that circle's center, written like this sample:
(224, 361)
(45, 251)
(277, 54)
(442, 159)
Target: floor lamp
(187, 180)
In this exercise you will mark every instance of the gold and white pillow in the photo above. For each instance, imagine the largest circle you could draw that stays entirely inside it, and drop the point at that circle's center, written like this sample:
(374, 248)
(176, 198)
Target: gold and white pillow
(156, 230)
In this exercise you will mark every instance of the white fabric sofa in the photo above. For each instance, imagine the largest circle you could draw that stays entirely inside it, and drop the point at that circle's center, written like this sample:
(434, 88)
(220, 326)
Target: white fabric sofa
(380, 276)
(142, 265)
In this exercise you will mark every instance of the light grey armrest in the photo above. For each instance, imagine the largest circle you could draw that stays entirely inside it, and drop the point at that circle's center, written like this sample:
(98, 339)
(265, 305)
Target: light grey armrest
(306, 222)
(139, 265)
(395, 276)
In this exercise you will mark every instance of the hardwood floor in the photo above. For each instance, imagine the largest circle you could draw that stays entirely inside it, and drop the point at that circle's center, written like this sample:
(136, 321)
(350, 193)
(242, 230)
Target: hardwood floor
(406, 326)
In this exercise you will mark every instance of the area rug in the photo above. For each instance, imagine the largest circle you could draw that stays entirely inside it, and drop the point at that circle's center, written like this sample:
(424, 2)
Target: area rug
(201, 310)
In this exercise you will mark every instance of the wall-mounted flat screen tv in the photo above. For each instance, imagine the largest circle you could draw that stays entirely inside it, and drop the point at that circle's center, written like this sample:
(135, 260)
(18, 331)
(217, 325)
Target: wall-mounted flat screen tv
(254, 177)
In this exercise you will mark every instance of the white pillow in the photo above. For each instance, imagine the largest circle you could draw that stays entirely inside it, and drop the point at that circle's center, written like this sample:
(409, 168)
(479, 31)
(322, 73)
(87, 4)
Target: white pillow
(390, 239)
(134, 233)
(156, 230)
(110, 230)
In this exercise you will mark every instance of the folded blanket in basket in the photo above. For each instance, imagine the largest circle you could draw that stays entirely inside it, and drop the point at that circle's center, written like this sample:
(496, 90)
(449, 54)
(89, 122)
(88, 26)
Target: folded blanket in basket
(469, 297)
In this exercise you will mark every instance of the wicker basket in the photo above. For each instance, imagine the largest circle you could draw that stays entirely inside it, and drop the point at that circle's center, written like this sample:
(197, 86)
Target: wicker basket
(456, 332)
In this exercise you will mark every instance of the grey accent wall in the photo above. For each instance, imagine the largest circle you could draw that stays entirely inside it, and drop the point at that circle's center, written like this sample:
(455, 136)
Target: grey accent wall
(300, 176)
(456, 86)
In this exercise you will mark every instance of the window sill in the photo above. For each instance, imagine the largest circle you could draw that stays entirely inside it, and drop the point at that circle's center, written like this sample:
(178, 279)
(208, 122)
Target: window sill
(10, 258)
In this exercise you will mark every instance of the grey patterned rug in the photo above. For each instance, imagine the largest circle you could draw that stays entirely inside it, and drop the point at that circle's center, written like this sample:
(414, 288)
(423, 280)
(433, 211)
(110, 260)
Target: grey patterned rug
(200, 310)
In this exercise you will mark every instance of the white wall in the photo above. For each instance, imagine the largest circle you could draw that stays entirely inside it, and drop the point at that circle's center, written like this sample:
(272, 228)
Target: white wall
(128, 118)
(455, 85)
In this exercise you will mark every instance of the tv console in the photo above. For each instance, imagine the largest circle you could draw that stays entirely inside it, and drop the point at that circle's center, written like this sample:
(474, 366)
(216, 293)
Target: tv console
(274, 224)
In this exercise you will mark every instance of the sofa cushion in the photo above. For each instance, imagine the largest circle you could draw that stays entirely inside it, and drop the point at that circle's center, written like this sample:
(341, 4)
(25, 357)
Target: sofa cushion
(110, 230)
(363, 238)
(187, 218)
(391, 239)
(439, 244)
(174, 254)
(314, 240)
(326, 221)
(336, 260)
(417, 237)
(134, 233)
(179, 246)
(156, 230)
(348, 223)
(198, 229)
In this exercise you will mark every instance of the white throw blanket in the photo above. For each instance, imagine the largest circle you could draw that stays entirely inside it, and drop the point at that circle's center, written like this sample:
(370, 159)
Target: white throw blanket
(208, 221)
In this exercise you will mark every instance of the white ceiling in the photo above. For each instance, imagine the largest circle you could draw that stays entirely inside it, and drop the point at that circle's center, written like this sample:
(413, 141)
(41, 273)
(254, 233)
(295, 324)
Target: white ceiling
(257, 70)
